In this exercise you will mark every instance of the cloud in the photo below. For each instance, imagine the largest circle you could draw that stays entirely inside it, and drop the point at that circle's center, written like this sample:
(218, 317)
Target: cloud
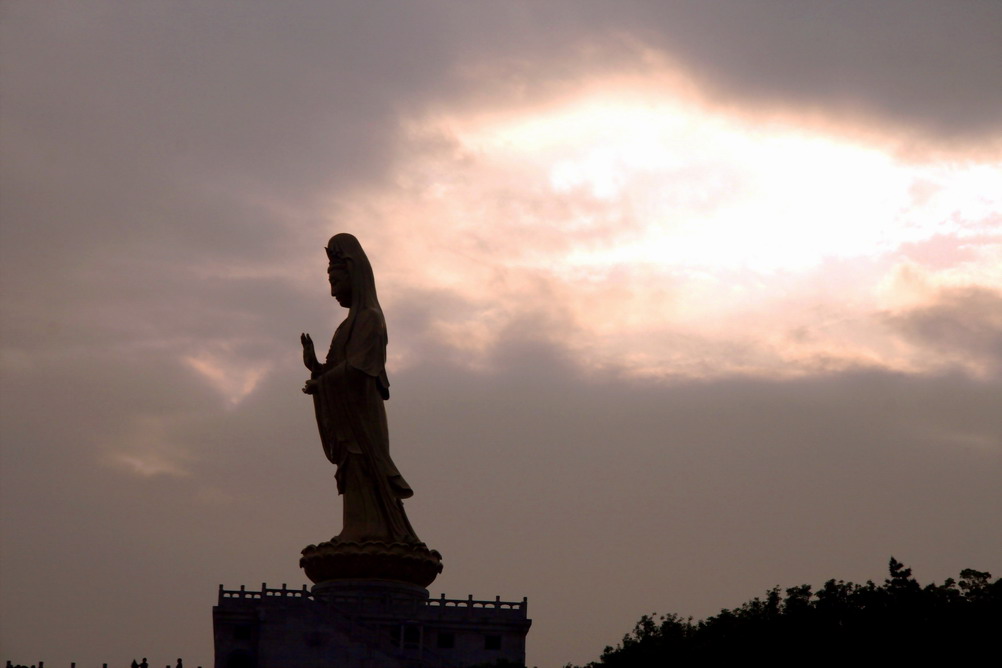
(234, 381)
(146, 450)
(744, 250)
(851, 59)
(961, 325)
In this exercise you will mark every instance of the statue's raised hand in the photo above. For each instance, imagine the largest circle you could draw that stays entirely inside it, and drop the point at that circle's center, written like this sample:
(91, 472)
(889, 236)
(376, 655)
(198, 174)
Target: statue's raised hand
(309, 354)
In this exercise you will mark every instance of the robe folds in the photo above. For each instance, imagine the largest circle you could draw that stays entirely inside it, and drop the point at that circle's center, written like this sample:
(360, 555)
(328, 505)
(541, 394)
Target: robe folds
(351, 417)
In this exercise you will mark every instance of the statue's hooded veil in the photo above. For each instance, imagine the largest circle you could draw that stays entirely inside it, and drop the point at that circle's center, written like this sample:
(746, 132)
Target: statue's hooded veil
(363, 299)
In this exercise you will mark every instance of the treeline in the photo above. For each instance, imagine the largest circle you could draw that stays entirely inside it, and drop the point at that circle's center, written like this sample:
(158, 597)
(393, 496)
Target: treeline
(956, 622)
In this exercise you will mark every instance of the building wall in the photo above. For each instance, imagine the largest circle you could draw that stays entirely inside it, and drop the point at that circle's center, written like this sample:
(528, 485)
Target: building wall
(364, 627)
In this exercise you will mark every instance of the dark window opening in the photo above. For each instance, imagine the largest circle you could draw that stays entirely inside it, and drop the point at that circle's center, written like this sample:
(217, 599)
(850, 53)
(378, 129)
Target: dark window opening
(446, 640)
(412, 636)
(492, 642)
(240, 659)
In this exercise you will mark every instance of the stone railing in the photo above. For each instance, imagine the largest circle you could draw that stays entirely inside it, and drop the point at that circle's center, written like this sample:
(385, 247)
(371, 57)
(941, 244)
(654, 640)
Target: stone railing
(470, 602)
(441, 602)
(265, 592)
(73, 664)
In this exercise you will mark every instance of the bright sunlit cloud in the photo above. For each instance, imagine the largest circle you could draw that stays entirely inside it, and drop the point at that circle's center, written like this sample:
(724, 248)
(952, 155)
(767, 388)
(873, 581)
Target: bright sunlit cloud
(672, 238)
(717, 192)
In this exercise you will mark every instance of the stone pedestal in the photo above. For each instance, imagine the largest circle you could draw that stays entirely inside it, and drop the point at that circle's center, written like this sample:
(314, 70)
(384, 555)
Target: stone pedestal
(369, 593)
(336, 560)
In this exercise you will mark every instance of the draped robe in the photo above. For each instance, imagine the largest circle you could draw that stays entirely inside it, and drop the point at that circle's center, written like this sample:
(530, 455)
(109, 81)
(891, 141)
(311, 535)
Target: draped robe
(351, 417)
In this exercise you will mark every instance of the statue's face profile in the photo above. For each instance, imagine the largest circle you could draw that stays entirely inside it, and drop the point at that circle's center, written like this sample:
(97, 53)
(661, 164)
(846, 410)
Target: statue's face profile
(340, 281)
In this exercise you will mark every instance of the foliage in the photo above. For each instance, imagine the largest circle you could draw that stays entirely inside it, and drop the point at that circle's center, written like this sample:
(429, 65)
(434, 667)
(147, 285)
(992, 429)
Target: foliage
(842, 622)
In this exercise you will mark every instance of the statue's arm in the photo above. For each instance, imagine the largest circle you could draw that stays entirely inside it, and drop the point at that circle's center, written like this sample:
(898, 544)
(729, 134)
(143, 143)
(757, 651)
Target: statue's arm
(310, 355)
(311, 362)
(327, 371)
(366, 352)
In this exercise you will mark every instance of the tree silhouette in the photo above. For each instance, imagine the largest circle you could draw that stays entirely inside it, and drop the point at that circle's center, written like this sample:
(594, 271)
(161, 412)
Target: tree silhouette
(841, 622)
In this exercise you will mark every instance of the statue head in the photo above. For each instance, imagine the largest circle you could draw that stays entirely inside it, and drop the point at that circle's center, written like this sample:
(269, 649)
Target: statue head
(353, 285)
(340, 280)
(350, 273)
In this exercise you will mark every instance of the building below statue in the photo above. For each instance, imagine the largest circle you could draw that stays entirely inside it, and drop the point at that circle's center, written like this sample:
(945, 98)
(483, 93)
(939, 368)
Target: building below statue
(364, 624)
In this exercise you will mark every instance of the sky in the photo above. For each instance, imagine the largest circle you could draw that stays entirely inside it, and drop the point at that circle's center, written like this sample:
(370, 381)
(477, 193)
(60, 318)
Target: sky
(685, 300)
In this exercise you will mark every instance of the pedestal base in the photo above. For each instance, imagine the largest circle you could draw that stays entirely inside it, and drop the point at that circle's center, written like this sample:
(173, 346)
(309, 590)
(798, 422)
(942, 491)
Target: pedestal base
(336, 560)
(359, 592)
